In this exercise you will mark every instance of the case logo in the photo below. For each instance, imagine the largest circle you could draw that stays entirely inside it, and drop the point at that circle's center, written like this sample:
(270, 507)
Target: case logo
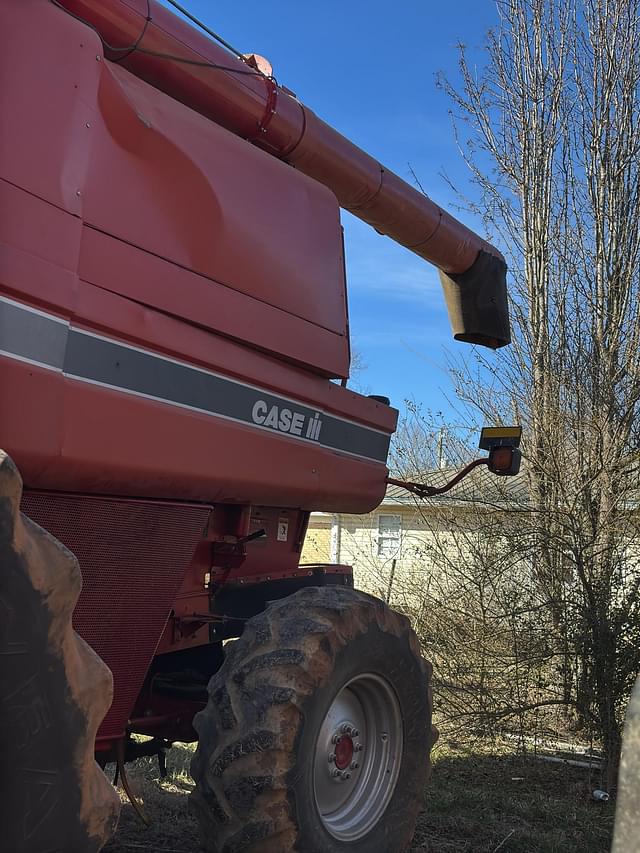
(287, 420)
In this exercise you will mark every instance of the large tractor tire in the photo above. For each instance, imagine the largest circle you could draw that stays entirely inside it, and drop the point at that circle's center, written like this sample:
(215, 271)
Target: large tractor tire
(317, 732)
(54, 692)
(626, 835)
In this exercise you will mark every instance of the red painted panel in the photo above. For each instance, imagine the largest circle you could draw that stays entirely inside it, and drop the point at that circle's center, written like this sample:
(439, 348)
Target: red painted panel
(264, 240)
(164, 176)
(103, 311)
(241, 105)
(166, 179)
(275, 555)
(256, 109)
(49, 77)
(83, 437)
(151, 281)
(31, 420)
(39, 247)
(133, 556)
(38, 228)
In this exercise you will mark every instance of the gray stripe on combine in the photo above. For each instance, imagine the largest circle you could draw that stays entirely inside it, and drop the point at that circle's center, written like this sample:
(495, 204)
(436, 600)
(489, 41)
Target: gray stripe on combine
(32, 335)
(115, 364)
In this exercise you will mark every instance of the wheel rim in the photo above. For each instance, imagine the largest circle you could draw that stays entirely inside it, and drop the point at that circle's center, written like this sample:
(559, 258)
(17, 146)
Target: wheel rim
(357, 757)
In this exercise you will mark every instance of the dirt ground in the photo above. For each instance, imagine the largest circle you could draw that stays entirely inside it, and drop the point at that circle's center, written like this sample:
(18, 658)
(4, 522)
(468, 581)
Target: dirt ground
(477, 802)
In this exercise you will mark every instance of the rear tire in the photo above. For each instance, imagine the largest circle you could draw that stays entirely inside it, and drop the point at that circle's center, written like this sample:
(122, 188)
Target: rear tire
(54, 692)
(317, 733)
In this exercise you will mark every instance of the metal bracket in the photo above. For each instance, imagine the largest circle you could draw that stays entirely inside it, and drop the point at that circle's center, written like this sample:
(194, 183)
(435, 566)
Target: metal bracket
(504, 460)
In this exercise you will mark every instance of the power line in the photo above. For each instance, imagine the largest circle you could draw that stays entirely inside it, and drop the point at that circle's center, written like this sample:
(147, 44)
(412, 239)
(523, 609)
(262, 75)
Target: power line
(206, 29)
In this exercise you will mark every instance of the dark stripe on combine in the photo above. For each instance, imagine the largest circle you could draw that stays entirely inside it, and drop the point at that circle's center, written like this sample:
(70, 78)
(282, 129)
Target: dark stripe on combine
(111, 363)
(29, 335)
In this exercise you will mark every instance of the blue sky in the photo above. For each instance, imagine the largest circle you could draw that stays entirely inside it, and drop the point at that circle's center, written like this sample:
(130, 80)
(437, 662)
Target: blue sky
(368, 68)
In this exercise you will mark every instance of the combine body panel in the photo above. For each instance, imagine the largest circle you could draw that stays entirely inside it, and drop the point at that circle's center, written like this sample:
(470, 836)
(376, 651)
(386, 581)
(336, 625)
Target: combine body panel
(174, 351)
(178, 60)
(173, 298)
(172, 305)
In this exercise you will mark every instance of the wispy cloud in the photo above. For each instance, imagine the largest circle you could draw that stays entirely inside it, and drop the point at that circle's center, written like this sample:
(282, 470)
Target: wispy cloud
(398, 336)
(376, 265)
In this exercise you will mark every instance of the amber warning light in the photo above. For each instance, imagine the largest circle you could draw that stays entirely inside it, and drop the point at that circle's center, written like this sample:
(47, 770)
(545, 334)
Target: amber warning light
(503, 446)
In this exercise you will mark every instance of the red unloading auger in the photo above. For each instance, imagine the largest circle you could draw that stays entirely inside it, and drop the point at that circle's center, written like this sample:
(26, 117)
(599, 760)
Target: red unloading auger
(165, 51)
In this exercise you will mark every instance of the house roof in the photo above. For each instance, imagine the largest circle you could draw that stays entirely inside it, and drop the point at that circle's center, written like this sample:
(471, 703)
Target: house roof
(478, 487)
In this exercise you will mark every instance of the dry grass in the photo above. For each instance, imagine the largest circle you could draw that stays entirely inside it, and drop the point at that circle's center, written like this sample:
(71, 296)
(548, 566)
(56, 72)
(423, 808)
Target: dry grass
(173, 829)
(480, 802)
(477, 802)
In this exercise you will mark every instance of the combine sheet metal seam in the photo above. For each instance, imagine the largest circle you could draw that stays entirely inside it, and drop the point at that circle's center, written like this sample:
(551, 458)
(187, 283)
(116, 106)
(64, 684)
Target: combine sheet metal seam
(43, 339)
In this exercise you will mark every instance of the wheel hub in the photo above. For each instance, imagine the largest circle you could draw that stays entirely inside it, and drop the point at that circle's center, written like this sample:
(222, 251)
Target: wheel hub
(362, 737)
(344, 752)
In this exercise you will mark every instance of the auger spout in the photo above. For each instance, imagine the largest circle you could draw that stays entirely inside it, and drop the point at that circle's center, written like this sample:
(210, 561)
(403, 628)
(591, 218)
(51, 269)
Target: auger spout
(173, 56)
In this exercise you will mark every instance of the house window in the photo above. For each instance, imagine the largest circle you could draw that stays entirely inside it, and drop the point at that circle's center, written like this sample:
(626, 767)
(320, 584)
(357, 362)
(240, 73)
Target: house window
(389, 529)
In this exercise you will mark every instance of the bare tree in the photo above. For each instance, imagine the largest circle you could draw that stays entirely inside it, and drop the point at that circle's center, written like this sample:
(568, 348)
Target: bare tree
(476, 602)
(550, 128)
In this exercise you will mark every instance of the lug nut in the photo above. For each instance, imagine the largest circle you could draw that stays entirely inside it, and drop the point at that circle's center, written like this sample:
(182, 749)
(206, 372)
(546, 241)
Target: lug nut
(335, 739)
(332, 757)
(354, 732)
(346, 776)
(335, 773)
(357, 747)
(345, 728)
(354, 765)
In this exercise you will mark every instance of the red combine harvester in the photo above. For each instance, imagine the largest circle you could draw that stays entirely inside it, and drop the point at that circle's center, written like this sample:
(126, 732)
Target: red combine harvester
(172, 314)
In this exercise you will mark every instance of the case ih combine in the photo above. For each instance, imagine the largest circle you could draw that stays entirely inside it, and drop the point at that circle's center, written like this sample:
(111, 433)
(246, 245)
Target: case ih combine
(172, 312)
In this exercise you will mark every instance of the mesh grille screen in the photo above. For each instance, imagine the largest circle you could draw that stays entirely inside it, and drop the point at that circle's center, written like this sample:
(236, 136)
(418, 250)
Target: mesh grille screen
(133, 556)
